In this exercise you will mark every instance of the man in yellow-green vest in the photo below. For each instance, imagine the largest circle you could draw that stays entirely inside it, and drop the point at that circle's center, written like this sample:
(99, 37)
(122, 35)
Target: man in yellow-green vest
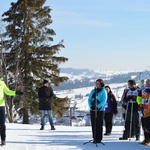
(4, 90)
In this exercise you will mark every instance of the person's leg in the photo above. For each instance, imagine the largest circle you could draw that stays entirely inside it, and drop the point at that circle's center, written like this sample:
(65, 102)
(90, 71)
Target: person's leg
(127, 127)
(49, 112)
(42, 119)
(106, 122)
(147, 122)
(2, 125)
(123, 115)
(99, 126)
(136, 125)
(92, 113)
(143, 127)
(110, 122)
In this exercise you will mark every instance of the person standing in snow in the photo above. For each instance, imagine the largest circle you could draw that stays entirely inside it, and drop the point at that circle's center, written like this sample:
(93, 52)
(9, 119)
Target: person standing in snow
(124, 107)
(45, 94)
(145, 113)
(4, 90)
(132, 107)
(111, 108)
(96, 102)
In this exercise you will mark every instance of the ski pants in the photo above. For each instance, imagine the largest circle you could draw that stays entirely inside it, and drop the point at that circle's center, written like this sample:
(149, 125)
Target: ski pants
(146, 127)
(2, 123)
(97, 118)
(133, 123)
(108, 122)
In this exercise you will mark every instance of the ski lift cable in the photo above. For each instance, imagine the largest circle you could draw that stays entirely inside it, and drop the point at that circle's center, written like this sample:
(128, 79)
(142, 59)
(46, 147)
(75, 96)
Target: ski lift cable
(142, 72)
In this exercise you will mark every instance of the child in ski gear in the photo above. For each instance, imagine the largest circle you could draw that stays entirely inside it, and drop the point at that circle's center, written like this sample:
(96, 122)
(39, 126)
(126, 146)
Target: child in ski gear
(132, 107)
(111, 108)
(45, 94)
(4, 90)
(97, 101)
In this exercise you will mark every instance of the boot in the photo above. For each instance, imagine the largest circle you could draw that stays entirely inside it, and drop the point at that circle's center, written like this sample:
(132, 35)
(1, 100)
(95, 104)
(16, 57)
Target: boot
(144, 141)
(107, 133)
(53, 128)
(137, 138)
(42, 128)
(3, 143)
(147, 143)
(123, 138)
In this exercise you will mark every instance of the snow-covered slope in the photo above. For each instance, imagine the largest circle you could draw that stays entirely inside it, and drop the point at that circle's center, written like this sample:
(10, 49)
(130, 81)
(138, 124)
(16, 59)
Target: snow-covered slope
(29, 137)
(81, 103)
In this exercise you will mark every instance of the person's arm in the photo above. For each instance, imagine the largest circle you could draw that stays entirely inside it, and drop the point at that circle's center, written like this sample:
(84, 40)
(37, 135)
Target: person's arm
(102, 97)
(114, 104)
(123, 97)
(7, 91)
(90, 99)
(51, 93)
(149, 102)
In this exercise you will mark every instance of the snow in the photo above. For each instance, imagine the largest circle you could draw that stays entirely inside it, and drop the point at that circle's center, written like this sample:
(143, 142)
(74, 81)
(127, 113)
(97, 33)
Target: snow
(82, 104)
(29, 137)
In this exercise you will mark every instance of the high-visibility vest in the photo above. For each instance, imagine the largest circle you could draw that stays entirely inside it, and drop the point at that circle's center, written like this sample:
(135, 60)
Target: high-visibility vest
(4, 89)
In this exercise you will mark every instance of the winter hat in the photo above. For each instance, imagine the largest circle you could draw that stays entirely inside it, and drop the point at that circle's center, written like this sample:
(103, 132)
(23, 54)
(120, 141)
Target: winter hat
(147, 90)
(45, 81)
(132, 82)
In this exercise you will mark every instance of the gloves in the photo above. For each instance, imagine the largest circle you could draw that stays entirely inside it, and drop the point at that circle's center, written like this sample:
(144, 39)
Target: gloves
(19, 93)
(124, 106)
(116, 112)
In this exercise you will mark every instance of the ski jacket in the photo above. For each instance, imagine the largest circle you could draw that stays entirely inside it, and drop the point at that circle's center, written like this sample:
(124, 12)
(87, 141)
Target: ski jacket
(147, 112)
(113, 103)
(145, 98)
(145, 106)
(97, 99)
(130, 96)
(45, 95)
(4, 89)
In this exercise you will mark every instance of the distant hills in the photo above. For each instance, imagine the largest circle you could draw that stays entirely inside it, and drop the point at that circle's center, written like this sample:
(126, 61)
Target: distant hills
(86, 77)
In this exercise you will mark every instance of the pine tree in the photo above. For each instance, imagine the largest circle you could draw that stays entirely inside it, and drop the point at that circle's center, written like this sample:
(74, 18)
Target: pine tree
(31, 56)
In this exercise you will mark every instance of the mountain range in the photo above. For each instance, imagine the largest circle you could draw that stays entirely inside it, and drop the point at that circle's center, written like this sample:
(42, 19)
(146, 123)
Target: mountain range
(79, 78)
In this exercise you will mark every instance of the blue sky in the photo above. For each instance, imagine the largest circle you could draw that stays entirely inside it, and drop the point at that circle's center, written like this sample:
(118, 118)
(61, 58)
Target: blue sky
(101, 34)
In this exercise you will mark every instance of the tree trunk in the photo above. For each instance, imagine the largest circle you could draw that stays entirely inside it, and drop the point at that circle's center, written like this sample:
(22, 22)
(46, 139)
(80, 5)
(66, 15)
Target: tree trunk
(25, 116)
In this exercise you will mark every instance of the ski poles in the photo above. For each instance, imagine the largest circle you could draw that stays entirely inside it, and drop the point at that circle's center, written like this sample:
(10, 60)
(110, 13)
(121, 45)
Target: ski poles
(126, 112)
(131, 120)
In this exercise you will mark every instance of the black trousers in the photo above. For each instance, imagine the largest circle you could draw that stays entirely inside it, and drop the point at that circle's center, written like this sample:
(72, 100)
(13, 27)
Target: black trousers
(108, 122)
(97, 125)
(2, 123)
(146, 127)
(133, 123)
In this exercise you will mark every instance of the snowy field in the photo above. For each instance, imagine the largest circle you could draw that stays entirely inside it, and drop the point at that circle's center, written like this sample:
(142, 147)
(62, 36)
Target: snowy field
(29, 137)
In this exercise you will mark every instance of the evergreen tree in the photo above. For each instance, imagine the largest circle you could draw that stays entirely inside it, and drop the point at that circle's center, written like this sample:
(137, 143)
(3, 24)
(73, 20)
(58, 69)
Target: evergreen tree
(31, 56)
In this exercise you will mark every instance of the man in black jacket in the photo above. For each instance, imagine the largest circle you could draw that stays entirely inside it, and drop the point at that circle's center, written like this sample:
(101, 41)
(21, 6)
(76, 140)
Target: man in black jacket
(45, 94)
(132, 115)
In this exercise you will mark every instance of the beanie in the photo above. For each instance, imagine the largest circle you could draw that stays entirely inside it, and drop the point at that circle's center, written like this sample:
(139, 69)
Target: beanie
(45, 81)
(132, 82)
